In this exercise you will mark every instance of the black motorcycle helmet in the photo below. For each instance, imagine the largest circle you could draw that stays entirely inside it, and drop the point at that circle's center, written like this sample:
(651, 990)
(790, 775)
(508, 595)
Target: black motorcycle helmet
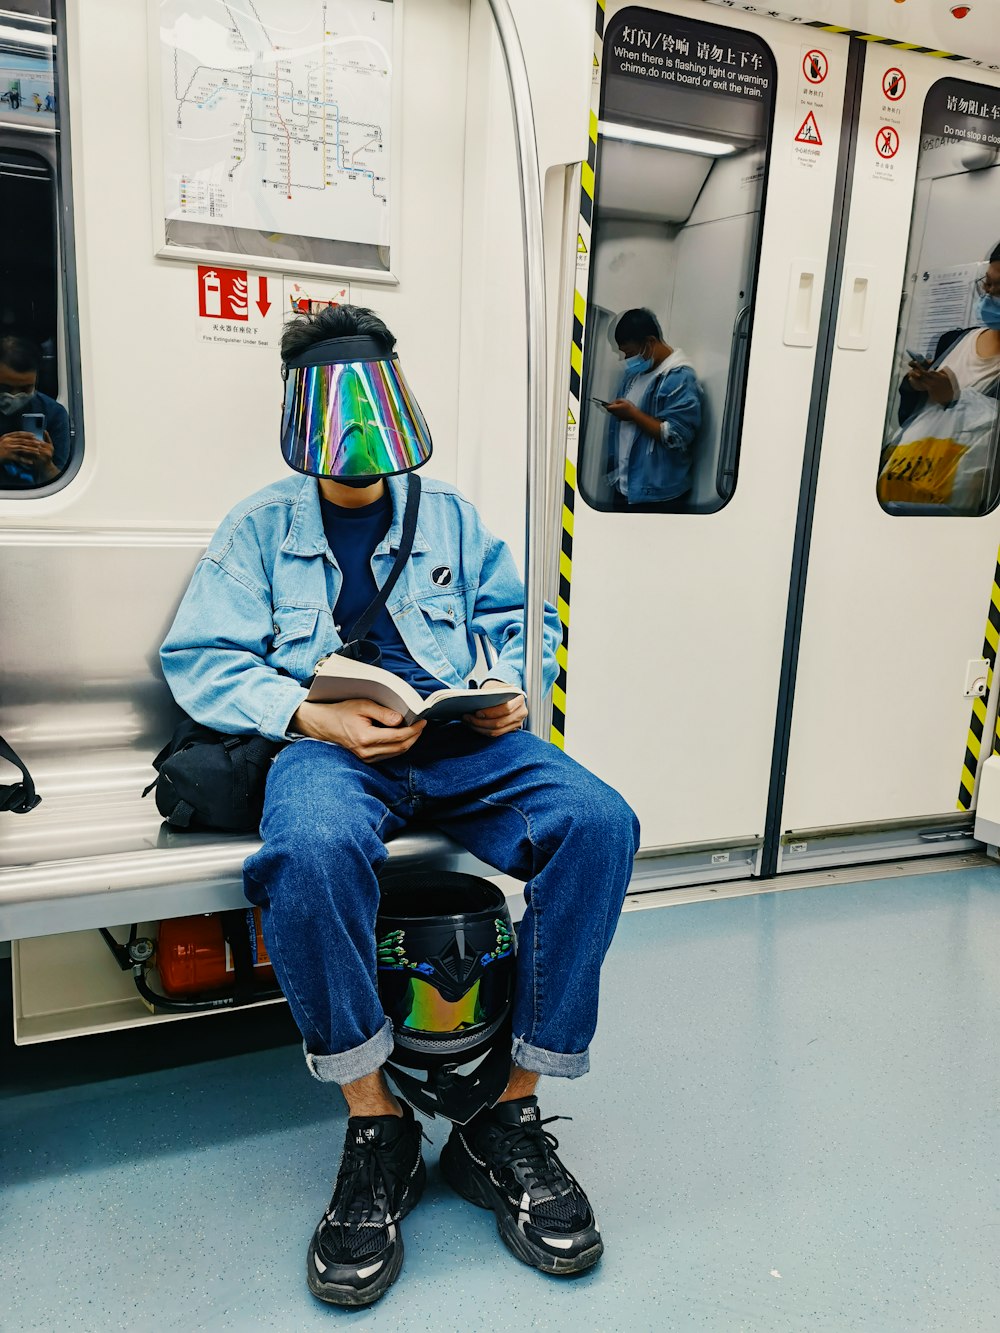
(445, 947)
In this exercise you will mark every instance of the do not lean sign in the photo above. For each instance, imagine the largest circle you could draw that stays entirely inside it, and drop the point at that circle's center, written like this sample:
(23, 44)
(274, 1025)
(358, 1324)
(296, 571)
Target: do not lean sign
(887, 142)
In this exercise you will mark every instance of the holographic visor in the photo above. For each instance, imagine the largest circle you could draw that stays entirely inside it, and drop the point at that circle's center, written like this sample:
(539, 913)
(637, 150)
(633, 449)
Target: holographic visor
(419, 1006)
(349, 412)
(426, 1009)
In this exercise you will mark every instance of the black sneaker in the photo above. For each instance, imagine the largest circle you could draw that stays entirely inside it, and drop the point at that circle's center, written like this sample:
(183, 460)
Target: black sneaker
(357, 1250)
(505, 1160)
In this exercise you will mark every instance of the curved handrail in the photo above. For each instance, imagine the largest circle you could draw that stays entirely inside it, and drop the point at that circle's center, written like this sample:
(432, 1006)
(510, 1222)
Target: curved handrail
(529, 180)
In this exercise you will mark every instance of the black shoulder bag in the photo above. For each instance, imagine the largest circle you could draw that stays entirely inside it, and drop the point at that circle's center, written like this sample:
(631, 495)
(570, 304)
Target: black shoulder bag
(207, 780)
(18, 798)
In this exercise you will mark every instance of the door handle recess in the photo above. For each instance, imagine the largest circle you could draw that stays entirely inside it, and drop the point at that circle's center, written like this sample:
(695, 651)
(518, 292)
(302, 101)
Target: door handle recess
(802, 308)
(856, 306)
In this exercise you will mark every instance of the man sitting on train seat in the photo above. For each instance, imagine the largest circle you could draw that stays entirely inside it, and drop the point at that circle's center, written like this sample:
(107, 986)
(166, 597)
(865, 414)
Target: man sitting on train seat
(33, 451)
(287, 573)
(656, 418)
(963, 358)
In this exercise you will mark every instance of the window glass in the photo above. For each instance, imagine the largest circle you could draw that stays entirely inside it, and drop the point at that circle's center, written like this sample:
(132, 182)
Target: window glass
(939, 452)
(36, 438)
(683, 138)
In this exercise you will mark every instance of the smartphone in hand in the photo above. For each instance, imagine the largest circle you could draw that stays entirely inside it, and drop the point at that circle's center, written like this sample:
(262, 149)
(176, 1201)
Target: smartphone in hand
(918, 358)
(33, 423)
(601, 402)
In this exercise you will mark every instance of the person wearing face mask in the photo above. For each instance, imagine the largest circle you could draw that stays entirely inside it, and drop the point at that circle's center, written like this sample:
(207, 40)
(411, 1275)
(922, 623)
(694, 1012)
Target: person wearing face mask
(964, 359)
(285, 582)
(656, 417)
(25, 460)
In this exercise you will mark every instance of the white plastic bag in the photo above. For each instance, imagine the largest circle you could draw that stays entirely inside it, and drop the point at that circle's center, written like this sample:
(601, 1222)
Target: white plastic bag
(943, 456)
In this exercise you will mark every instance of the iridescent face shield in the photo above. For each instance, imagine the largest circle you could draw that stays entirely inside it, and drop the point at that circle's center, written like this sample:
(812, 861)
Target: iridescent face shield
(348, 413)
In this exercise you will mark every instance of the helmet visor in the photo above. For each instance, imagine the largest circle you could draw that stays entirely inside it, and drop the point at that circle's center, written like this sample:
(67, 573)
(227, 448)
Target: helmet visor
(416, 1005)
(352, 419)
(425, 1009)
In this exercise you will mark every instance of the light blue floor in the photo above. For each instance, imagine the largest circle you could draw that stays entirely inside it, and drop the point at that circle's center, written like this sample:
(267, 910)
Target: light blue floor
(792, 1124)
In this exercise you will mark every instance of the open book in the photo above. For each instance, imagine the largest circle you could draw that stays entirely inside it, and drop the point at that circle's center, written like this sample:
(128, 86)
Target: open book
(340, 678)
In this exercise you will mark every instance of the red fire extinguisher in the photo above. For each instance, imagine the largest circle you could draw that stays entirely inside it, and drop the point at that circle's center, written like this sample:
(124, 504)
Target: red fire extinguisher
(195, 957)
(214, 961)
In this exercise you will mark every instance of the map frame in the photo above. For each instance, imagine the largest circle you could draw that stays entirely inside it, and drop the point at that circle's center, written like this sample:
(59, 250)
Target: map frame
(282, 259)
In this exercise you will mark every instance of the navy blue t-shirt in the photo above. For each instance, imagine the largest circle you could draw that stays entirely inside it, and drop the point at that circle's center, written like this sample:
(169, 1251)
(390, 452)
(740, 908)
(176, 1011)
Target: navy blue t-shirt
(353, 535)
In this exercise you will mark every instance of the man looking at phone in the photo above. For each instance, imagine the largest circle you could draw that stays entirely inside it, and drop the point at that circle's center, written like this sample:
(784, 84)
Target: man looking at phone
(34, 428)
(655, 418)
(963, 358)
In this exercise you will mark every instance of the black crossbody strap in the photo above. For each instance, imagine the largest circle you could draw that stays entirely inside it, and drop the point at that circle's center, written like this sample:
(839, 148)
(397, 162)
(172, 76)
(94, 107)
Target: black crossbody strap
(17, 797)
(367, 620)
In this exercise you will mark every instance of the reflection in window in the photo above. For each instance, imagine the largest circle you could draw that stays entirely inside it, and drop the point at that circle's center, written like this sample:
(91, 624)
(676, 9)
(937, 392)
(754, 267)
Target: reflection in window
(34, 427)
(35, 434)
(939, 455)
(682, 153)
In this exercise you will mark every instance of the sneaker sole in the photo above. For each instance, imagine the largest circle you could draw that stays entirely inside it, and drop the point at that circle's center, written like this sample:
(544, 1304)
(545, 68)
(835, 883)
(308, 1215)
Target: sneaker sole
(334, 1293)
(471, 1186)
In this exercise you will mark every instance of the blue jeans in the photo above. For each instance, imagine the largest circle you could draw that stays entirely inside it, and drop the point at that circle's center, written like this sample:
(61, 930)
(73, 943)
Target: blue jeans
(518, 803)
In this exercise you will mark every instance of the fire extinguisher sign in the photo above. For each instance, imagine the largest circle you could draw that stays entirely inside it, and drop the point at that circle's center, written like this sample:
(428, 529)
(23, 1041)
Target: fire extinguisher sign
(223, 293)
(233, 307)
(245, 309)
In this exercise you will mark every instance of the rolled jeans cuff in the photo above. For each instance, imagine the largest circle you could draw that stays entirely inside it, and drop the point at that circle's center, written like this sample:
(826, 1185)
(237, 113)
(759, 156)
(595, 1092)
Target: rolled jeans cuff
(536, 1061)
(355, 1063)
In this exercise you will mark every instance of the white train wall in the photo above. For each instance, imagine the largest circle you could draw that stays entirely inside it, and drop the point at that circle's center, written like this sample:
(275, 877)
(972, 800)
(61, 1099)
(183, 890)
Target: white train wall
(177, 430)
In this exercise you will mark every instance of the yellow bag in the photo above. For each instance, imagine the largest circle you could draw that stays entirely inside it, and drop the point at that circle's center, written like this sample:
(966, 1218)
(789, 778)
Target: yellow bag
(943, 456)
(921, 472)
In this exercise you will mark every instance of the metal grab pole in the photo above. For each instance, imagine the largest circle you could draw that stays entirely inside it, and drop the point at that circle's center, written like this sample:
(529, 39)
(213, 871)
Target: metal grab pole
(530, 183)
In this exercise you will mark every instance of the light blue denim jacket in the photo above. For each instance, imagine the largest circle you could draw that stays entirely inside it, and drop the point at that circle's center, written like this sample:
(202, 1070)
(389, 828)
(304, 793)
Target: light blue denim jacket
(660, 470)
(257, 615)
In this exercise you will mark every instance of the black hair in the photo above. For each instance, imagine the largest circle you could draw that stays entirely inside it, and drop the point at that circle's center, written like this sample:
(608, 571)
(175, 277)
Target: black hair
(635, 326)
(995, 255)
(20, 354)
(334, 321)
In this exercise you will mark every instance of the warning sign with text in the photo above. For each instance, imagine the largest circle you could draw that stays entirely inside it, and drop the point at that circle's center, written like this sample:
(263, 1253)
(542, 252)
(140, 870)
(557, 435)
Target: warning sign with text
(813, 123)
(236, 307)
(957, 111)
(644, 47)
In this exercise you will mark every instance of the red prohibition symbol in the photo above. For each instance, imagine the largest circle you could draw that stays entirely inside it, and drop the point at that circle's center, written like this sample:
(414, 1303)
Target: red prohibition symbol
(815, 66)
(887, 142)
(894, 84)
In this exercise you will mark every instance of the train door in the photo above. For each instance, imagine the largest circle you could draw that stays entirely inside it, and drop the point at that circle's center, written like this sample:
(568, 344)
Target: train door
(888, 713)
(717, 139)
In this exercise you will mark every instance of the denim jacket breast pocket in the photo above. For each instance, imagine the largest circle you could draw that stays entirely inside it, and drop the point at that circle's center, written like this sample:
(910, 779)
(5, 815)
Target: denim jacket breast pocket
(445, 615)
(297, 643)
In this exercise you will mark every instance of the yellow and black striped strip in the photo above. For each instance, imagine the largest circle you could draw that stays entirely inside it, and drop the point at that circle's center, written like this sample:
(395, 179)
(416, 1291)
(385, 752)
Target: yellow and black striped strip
(977, 723)
(852, 32)
(588, 171)
(565, 576)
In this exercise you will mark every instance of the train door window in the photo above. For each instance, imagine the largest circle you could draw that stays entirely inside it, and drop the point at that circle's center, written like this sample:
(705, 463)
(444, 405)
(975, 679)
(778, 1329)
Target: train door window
(939, 450)
(36, 435)
(684, 133)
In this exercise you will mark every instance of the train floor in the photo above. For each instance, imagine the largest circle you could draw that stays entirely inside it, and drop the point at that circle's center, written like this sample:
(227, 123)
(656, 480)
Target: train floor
(792, 1123)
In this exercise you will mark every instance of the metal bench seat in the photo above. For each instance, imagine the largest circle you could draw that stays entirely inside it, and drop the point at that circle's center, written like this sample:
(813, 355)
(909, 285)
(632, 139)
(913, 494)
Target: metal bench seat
(88, 720)
(106, 859)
